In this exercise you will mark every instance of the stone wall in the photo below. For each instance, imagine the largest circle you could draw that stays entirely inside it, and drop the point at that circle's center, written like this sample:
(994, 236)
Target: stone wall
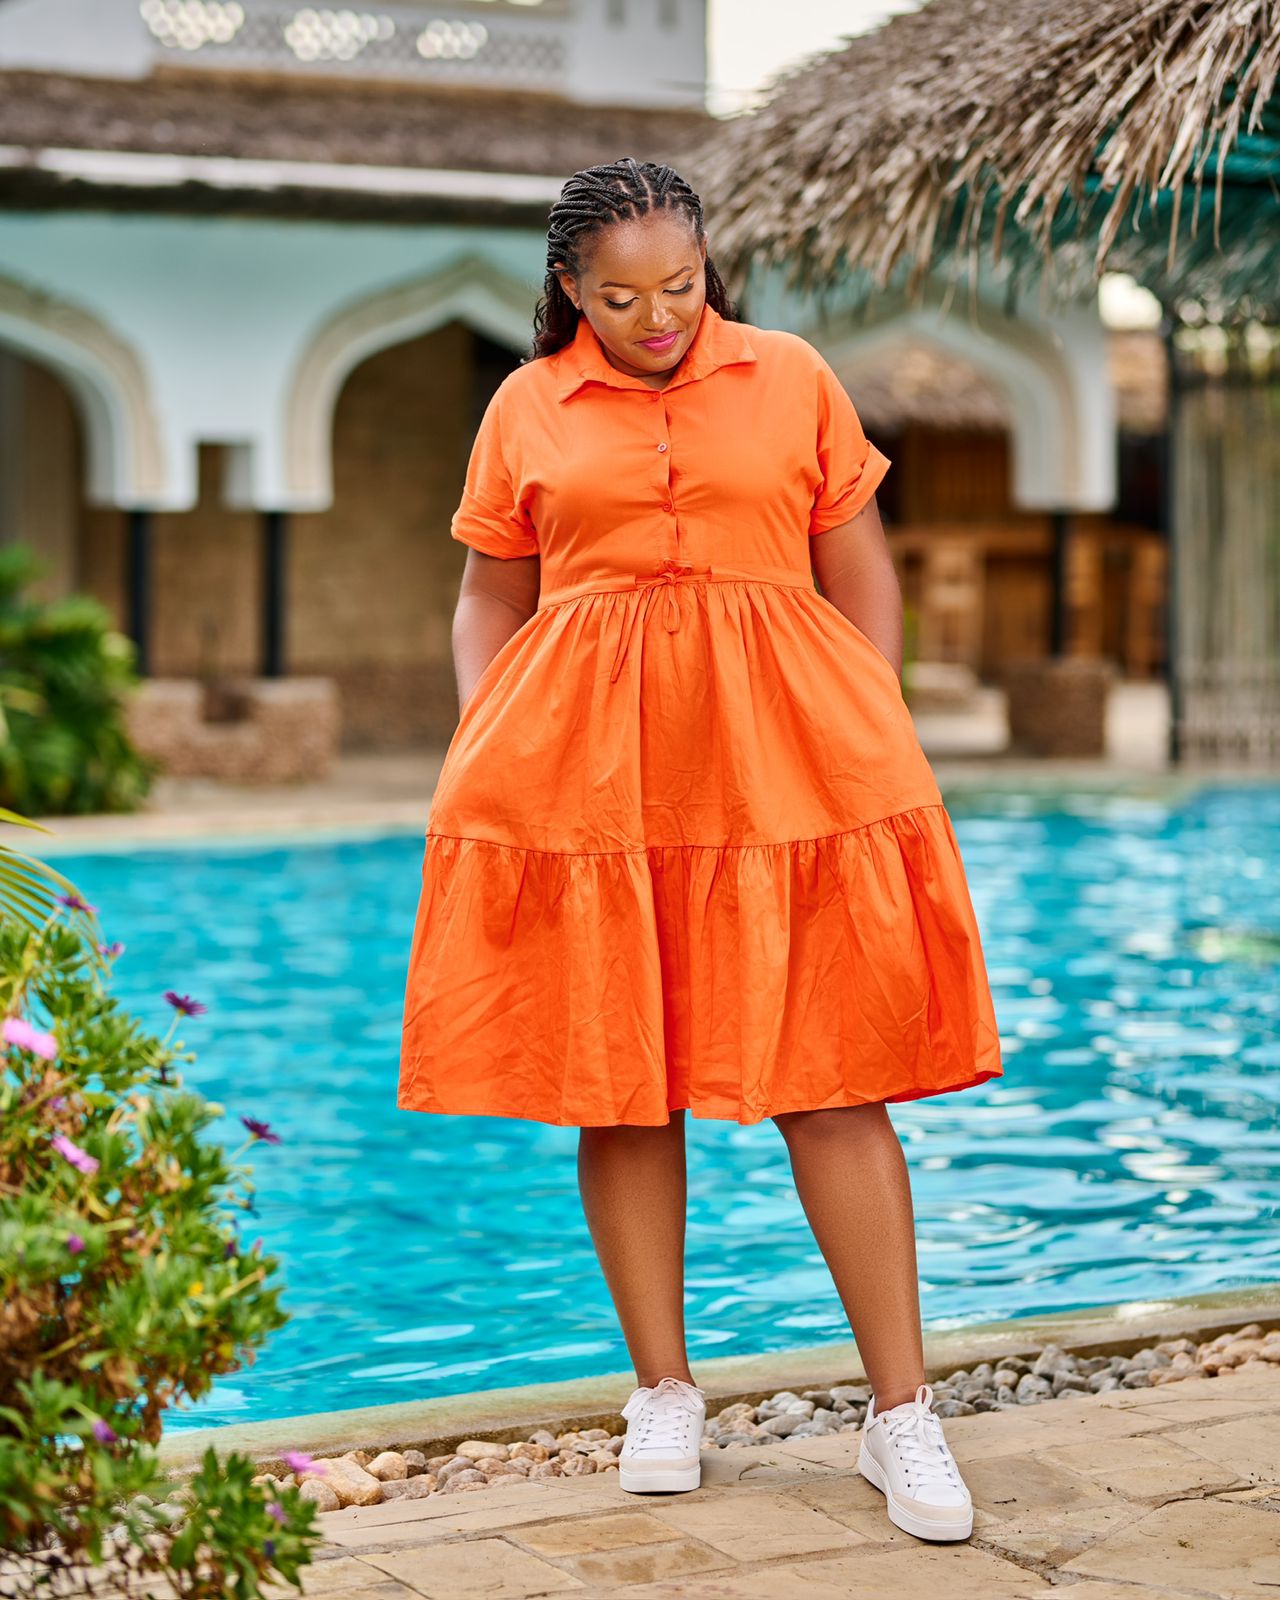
(250, 731)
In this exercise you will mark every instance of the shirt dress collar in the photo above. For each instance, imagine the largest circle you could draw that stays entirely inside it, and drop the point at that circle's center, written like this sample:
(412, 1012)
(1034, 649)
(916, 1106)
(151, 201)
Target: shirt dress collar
(716, 343)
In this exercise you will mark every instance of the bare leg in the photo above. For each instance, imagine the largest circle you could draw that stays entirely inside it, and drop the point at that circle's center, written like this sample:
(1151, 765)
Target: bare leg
(633, 1187)
(851, 1176)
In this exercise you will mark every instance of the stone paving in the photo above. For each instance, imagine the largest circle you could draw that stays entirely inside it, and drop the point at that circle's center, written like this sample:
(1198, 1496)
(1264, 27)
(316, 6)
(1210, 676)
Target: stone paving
(1171, 1491)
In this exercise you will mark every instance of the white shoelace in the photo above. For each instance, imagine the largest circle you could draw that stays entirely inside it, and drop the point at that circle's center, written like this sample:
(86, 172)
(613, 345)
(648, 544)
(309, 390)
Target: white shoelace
(921, 1445)
(665, 1415)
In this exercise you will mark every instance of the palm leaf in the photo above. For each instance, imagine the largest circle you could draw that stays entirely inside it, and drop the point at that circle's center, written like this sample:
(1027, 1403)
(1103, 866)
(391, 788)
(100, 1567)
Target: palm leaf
(27, 884)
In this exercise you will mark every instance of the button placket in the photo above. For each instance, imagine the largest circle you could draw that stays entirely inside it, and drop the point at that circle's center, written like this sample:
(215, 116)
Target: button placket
(667, 503)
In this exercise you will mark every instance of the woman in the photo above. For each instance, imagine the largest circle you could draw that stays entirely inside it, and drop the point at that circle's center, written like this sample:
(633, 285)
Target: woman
(685, 852)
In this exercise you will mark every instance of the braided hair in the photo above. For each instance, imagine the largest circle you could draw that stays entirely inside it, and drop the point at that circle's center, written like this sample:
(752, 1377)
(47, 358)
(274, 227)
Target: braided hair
(591, 201)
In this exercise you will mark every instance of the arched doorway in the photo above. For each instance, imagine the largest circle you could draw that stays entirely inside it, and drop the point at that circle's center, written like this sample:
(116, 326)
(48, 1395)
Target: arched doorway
(978, 568)
(372, 578)
(42, 472)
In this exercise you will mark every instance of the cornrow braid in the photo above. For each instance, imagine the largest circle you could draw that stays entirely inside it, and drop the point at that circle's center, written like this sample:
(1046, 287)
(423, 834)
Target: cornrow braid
(592, 200)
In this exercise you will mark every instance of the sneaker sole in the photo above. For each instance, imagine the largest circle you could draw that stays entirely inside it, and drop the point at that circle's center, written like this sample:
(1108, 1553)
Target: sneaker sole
(909, 1521)
(671, 1480)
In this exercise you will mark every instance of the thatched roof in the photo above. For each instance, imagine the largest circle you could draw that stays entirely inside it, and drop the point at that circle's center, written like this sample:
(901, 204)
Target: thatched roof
(1020, 125)
(917, 385)
(317, 122)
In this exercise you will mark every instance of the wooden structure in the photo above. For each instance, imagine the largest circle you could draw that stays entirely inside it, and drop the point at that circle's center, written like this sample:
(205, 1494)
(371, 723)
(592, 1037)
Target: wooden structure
(977, 570)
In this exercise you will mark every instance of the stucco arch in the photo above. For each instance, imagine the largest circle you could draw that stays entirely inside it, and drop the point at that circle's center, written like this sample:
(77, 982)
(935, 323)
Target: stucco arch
(471, 290)
(1061, 410)
(124, 446)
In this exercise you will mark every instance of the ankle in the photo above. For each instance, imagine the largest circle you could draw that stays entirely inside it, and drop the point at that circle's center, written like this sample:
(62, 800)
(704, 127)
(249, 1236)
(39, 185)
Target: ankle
(895, 1397)
(651, 1379)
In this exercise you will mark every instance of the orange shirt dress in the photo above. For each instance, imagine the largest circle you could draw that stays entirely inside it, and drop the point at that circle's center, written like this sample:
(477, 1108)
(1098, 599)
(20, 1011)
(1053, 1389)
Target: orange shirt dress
(685, 849)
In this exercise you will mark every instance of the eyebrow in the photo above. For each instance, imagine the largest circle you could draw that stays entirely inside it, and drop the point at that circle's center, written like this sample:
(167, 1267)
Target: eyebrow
(677, 273)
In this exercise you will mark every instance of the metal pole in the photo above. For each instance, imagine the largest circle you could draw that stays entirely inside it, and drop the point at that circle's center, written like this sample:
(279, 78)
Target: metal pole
(274, 528)
(1060, 522)
(138, 586)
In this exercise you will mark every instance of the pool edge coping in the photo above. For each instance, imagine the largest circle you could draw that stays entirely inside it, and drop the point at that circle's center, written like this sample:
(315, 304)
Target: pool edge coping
(242, 822)
(436, 1425)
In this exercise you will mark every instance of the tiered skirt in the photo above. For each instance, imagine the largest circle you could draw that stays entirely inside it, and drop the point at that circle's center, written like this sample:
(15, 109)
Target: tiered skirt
(686, 852)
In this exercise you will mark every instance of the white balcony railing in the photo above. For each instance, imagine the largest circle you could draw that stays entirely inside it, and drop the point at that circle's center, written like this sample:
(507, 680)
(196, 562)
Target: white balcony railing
(510, 43)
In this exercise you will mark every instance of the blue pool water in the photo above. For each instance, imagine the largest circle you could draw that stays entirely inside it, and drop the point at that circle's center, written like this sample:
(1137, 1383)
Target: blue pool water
(1131, 1151)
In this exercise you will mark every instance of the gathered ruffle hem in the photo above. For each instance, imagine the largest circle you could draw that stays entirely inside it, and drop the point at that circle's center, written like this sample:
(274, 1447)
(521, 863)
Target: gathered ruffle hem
(739, 982)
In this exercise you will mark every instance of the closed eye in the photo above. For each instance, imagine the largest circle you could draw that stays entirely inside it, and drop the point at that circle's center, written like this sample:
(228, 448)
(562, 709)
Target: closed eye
(615, 306)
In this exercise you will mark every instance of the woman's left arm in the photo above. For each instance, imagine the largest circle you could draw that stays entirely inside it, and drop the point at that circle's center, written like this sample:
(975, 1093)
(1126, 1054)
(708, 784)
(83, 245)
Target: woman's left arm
(856, 573)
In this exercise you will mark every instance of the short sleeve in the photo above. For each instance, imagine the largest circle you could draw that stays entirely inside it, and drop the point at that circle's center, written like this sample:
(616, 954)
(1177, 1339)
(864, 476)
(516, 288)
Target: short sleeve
(489, 517)
(851, 466)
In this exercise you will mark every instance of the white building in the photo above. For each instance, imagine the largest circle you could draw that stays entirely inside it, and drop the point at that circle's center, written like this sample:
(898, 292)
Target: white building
(261, 265)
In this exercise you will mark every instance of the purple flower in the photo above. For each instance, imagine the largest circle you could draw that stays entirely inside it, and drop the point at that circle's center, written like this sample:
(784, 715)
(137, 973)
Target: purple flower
(112, 950)
(184, 1003)
(75, 902)
(299, 1461)
(103, 1432)
(57, 1103)
(269, 1549)
(80, 1159)
(230, 1249)
(276, 1510)
(75, 1244)
(18, 1031)
(260, 1130)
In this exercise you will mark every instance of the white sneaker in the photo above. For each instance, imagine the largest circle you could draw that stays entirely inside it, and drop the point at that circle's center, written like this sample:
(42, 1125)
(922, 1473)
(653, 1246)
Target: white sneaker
(905, 1455)
(663, 1447)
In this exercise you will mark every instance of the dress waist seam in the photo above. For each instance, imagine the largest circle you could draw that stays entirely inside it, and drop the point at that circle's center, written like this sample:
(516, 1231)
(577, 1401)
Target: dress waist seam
(646, 849)
(556, 598)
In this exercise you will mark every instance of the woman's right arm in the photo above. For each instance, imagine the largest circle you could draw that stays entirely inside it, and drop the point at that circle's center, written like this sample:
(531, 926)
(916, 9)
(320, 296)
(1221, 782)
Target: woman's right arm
(498, 596)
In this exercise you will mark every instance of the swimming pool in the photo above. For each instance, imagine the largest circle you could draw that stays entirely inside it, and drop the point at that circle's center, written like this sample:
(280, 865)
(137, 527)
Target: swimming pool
(1132, 1149)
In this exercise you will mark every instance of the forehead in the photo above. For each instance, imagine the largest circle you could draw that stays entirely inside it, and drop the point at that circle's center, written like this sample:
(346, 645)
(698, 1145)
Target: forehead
(641, 250)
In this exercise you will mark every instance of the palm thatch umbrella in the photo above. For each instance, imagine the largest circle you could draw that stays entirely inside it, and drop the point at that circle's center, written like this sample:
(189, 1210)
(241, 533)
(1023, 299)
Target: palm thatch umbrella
(1045, 141)
(1060, 136)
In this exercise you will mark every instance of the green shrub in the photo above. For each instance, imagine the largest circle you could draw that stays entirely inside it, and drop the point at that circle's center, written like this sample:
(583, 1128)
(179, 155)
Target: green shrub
(64, 675)
(124, 1286)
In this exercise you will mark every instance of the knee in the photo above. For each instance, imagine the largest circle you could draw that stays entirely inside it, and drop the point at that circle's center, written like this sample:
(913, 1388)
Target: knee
(838, 1124)
(623, 1135)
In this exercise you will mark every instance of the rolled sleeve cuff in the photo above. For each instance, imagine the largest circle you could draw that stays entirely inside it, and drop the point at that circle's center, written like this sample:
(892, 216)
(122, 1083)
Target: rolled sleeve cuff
(489, 531)
(855, 497)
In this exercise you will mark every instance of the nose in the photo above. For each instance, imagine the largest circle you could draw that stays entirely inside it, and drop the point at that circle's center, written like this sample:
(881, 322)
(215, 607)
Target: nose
(660, 318)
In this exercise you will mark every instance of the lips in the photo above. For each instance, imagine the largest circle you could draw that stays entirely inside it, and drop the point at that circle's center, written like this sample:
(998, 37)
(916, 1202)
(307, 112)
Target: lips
(662, 344)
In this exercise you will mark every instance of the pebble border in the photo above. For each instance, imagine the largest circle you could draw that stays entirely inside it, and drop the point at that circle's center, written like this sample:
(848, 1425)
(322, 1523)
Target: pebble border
(365, 1477)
